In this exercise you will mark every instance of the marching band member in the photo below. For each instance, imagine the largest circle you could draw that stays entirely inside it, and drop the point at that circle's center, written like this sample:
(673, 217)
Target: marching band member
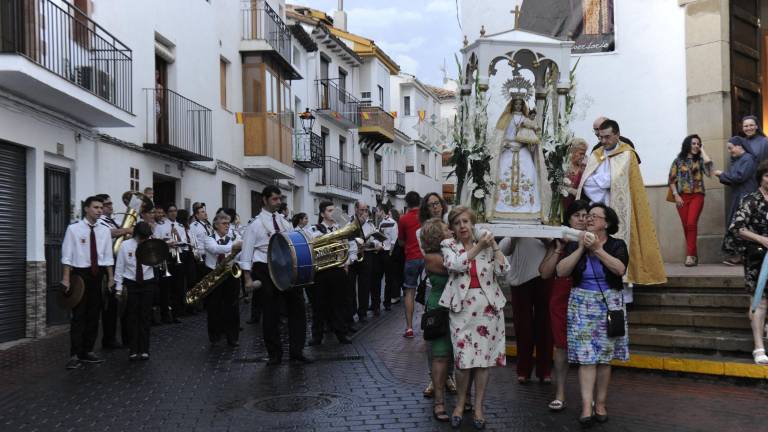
(253, 261)
(385, 267)
(139, 284)
(362, 272)
(200, 228)
(165, 282)
(328, 299)
(86, 251)
(174, 233)
(221, 304)
(109, 316)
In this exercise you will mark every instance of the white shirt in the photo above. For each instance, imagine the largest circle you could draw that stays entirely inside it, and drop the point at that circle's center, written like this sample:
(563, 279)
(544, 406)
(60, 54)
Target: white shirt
(163, 231)
(200, 230)
(524, 256)
(256, 238)
(388, 227)
(598, 185)
(329, 228)
(76, 247)
(371, 243)
(108, 222)
(213, 249)
(125, 266)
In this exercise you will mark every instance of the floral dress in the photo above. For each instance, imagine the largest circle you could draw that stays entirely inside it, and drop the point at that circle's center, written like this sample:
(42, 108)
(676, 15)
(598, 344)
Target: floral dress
(476, 317)
(752, 214)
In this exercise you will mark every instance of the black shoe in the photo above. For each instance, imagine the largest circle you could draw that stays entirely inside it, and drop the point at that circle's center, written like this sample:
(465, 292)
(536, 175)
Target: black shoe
(387, 308)
(73, 363)
(363, 321)
(90, 358)
(315, 341)
(456, 422)
(376, 312)
(252, 321)
(586, 421)
(343, 339)
(274, 361)
(601, 418)
(233, 343)
(111, 345)
(301, 358)
(176, 320)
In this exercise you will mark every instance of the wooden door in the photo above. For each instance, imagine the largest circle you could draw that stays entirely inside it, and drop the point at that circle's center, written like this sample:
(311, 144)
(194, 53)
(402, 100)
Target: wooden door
(746, 68)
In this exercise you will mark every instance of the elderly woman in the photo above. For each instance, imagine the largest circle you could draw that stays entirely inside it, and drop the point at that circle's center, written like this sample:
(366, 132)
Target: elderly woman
(596, 264)
(475, 301)
(221, 304)
(740, 177)
(433, 232)
(560, 291)
(577, 151)
(750, 223)
(756, 143)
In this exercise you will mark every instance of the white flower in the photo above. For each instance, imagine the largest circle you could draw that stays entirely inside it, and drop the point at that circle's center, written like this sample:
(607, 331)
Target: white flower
(487, 178)
(479, 193)
(567, 181)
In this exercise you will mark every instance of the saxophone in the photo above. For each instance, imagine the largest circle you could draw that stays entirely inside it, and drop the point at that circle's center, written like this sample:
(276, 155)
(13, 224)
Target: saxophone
(215, 278)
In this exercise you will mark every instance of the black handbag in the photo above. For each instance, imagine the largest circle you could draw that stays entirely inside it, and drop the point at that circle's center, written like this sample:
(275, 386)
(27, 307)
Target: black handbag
(434, 323)
(421, 292)
(754, 252)
(615, 320)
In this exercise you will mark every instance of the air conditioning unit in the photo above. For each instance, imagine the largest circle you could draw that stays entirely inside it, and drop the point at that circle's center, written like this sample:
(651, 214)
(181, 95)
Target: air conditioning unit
(95, 80)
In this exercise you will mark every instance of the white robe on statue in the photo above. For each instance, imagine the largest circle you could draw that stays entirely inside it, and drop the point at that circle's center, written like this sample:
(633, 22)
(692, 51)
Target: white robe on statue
(518, 183)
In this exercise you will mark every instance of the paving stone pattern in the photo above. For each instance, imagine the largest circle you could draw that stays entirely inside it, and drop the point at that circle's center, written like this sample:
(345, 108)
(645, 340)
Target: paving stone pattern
(373, 384)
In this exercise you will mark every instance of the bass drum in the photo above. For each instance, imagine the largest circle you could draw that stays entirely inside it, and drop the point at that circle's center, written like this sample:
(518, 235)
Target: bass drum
(290, 260)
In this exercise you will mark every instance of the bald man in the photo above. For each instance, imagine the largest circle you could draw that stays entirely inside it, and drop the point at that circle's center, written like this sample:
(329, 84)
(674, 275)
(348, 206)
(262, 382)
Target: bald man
(596, 129)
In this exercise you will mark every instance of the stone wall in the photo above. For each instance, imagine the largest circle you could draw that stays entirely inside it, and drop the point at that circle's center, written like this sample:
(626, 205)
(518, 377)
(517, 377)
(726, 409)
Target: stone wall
(36, 298)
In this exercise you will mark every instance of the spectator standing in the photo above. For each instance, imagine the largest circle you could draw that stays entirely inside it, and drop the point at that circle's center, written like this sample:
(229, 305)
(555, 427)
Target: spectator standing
(686, 187)
(740, 177)
(756, 143)
(414, 260)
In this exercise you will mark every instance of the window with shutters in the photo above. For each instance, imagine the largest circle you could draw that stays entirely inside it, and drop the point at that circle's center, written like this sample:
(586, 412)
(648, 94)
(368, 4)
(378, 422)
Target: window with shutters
(134, 181)
(223, 68)
(364, 163)
(377, 168)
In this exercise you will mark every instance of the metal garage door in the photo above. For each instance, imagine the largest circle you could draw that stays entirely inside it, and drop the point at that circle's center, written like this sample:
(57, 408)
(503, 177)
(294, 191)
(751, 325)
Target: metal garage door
(13, 238)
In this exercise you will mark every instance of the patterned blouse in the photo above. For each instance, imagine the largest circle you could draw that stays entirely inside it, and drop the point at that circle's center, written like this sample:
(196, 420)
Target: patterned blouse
(752, 214)
(688, 175)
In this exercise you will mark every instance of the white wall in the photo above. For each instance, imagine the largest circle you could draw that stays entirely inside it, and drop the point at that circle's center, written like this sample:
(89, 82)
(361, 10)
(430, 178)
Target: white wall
(642, 84)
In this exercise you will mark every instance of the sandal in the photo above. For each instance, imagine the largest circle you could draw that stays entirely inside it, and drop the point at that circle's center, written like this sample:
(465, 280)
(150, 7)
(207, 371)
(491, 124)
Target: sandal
(557, 405)
(441, 415)
(759, 356)
(479, 424)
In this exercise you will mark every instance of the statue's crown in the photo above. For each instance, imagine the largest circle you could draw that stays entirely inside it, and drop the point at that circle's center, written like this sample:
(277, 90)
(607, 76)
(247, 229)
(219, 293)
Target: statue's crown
(517, 87)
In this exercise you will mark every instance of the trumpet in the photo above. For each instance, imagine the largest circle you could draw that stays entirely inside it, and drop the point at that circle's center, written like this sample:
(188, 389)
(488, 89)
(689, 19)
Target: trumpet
(175, 249)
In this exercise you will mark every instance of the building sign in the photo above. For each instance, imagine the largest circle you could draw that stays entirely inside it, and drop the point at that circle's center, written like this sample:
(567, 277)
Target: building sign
(589, 23)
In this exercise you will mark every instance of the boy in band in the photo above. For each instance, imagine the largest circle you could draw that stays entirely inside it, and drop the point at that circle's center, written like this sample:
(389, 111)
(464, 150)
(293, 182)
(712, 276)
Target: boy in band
(139, 283)
(221, 304)
(200, 228)
(111, 311)
(174, 233)
(86, 251)
(385, 267)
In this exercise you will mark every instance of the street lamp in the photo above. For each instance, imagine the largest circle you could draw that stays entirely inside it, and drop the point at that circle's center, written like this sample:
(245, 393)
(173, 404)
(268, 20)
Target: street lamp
(307, 120)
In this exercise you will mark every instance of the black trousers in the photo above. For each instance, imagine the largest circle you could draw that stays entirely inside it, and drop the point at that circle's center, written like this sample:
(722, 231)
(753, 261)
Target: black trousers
(84, 325)
(255, 300)
(329, 302)
(223, 311)
(382, 268)
(297, 317)
(365, 272)
(109, 316)
(138, 314)
(182, 275)
(350, 295)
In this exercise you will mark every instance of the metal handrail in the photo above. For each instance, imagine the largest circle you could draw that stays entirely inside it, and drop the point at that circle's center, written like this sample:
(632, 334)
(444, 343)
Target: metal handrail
(337, 100)
(260, 21)
(342, 175)
(308, 149)
(64, 40)
(176, 121)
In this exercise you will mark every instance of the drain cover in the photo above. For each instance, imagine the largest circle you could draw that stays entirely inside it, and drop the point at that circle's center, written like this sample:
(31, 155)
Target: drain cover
(318, 403)
(291, 404)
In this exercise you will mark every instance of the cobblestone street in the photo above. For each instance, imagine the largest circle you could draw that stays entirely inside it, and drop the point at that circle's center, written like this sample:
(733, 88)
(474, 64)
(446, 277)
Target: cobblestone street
(373, 384)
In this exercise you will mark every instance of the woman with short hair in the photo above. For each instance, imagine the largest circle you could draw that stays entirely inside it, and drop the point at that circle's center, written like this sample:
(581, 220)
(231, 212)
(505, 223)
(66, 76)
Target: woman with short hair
(475, 301)
(597, 264)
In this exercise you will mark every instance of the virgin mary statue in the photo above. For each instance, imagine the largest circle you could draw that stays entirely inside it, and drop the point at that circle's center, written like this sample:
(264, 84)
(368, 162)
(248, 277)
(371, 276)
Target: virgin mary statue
(519, 169)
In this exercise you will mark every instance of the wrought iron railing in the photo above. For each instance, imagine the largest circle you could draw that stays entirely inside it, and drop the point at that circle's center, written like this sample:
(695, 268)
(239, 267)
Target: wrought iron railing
(62, 39)
(308, 150)
(342, 175)
(178, 125)
(337, 101)
(260, 21)
(396, 182)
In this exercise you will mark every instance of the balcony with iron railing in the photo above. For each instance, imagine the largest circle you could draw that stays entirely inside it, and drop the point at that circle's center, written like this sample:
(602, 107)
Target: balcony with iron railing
(376, 125)
(178, 126)
(396, 182)
(337, 104)
(55, 40)
(308, 151)
(264, 30)
(268, 144)
(338, 178)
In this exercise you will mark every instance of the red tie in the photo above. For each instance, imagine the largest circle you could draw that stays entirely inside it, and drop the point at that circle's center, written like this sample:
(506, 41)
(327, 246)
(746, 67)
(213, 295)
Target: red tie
(94, 254)
(274, 222)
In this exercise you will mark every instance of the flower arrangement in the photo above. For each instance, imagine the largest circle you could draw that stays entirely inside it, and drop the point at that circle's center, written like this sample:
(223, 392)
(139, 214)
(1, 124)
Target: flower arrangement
(556, 143)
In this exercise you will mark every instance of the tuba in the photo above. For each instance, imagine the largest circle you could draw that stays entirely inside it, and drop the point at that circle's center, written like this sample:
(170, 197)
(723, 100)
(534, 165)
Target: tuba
(215, 278)
(136, 204)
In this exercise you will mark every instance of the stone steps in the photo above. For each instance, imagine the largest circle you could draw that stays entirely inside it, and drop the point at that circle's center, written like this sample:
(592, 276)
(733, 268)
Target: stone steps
(670, 340)
(736, 300)
(691, 317)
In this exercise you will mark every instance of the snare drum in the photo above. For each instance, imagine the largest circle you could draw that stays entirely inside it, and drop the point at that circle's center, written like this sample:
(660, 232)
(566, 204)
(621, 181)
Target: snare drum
(290, 260)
